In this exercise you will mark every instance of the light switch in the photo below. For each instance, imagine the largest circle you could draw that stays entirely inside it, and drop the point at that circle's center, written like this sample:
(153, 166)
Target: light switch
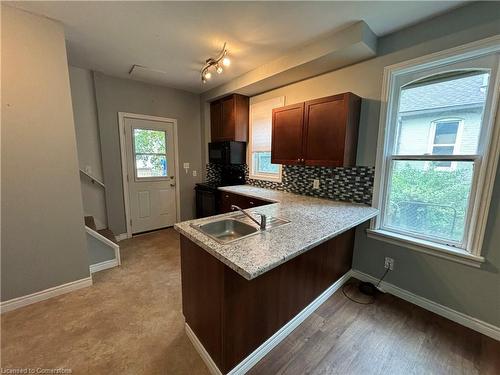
(195, 173)
(186, 165)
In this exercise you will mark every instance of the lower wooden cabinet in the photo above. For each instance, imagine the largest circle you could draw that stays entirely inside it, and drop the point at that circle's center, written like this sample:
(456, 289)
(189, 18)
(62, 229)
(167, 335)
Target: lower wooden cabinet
(228, 199)
(232, 316)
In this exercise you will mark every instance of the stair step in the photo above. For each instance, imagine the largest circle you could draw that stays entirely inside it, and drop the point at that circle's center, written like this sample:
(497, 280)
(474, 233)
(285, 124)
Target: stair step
(108, 234)
(89, 221)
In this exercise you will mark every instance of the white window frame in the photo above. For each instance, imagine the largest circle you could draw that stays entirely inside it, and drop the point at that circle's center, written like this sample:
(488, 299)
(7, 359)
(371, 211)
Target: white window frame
(261, 176)
(456, 145)
(487, 162)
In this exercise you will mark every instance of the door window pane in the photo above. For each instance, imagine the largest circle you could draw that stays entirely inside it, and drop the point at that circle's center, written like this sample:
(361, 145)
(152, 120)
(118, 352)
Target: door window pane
(150, 152)
(147, 141)
(150, 165)
(460, 95)
(429, 201)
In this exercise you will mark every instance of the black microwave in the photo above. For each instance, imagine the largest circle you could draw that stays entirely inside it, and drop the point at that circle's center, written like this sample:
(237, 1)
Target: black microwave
(227, 152)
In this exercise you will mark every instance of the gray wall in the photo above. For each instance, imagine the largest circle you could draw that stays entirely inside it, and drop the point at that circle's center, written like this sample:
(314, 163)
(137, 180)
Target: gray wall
(43, 238)
(98, 250)
(120, 95)
(88, 143)
(473, 291)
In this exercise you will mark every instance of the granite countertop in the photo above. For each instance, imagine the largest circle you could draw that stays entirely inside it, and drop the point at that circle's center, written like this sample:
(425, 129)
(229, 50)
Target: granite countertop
(312, 221)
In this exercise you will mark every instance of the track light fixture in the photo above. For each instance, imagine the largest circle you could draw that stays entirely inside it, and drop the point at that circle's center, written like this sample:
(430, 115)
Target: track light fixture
(215, 64)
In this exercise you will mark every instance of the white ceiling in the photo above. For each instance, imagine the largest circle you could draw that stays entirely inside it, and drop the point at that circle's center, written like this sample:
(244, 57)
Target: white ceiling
(176, 37)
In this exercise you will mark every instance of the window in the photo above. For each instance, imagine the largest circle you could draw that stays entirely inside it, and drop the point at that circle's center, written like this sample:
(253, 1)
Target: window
(259, 148)
(150, 153)
(444, 140)
(436, 140)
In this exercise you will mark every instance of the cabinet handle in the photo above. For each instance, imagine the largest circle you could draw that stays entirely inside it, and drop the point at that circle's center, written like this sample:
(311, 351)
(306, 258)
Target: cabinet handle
(251, 203)
(226, 196)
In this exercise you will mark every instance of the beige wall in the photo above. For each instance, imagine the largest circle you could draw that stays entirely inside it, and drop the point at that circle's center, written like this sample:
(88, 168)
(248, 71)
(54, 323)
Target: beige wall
(88, 143)
(43, 238)
(115, 95)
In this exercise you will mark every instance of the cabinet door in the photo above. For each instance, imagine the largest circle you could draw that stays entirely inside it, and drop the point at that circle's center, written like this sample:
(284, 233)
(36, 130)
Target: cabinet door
(225, 202)
(325, 131)
(228, 118)
(287, 133)
(216, 121)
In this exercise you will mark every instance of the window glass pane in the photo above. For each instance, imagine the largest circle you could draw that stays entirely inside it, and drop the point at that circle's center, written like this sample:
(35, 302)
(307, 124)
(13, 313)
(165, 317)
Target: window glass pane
(426, 102)
(442, 150)
(262, 163)
(429, 201)
(149, 141)
(446, 132)
(150, 165)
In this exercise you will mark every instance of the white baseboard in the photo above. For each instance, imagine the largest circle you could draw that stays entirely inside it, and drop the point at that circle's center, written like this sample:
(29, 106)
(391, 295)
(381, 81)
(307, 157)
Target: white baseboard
(456, 316)
(271, 342)
(212, 367)
(122, 236)
(42, 295)
(104, 265)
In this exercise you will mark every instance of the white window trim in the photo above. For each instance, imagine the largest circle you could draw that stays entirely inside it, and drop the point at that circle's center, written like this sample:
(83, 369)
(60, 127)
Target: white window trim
(261, 176)
(485, 179)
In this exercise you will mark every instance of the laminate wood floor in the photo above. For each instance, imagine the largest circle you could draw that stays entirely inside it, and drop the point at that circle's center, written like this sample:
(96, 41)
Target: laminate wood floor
(390, 336)
(130, 322)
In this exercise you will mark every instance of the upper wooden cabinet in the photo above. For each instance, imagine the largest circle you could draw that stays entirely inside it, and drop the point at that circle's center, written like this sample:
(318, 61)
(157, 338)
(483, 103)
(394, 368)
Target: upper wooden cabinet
(321, 132)
(287, 134)
(229, 118)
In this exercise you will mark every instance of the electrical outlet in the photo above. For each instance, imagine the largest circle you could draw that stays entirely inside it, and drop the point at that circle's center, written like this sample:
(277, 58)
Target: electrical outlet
(389, 263)
(315, 184)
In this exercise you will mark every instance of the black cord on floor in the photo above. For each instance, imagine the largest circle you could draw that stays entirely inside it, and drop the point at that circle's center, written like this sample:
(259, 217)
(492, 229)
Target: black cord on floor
(373, 297)
(352, 299)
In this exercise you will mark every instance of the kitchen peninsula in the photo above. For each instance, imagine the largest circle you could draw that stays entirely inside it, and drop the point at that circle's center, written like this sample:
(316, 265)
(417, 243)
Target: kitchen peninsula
(236, 296)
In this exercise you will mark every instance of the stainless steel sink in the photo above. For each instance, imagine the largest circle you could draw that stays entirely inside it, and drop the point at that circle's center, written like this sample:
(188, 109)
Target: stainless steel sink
(227, 230)
(235, 228)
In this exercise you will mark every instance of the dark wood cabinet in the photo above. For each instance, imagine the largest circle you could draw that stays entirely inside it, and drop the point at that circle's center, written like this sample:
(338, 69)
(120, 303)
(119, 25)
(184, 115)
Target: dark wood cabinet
(228, 199)
(232, 316)
(321, 132)
(287, 134)
(229, 118)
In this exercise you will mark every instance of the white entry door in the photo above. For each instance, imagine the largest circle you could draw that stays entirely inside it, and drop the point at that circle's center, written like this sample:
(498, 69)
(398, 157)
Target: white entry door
(151, 174)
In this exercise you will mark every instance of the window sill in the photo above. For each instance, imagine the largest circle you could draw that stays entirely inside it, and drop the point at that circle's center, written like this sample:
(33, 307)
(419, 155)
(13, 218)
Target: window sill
(427, 247)
(265, 178)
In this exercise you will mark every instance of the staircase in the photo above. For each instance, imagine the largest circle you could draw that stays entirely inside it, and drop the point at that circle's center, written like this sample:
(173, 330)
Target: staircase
(104, 251)
(89, 222)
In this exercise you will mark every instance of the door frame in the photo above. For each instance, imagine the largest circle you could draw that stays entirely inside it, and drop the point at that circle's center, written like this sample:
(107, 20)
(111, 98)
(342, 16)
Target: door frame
(123, 154)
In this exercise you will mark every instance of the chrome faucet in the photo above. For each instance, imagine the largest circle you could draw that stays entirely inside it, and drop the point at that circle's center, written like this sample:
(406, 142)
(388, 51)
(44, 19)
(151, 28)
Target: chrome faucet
(263, 218)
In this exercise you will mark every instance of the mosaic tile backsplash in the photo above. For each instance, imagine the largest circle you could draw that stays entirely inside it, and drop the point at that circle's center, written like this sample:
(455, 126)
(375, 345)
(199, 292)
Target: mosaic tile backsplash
(351, 184)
